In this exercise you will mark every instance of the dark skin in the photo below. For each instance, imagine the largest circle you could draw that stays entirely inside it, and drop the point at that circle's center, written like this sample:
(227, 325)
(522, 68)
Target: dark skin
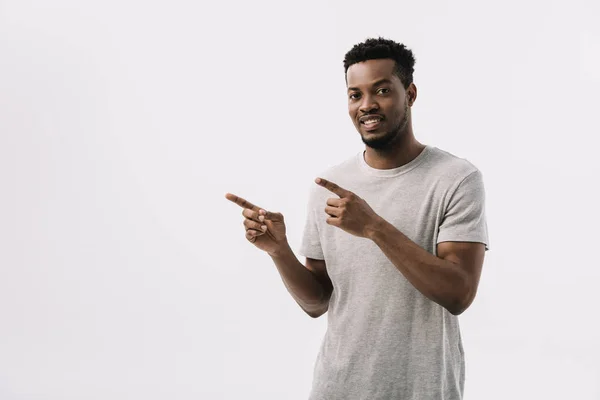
(374, 89)
(379, 105)
(308, 284)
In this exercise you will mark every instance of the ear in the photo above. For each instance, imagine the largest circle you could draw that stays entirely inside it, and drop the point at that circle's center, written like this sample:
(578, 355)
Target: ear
(411, 94)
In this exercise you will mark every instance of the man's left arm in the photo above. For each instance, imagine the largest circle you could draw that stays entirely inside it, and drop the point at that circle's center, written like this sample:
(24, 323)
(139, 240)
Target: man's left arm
(450, 278)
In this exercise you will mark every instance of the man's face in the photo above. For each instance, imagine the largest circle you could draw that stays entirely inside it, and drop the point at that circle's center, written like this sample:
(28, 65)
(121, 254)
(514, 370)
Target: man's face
(377, 102)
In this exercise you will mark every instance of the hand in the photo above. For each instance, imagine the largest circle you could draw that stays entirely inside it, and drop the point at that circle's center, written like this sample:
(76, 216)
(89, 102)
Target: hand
(349, 212)
(265, 229)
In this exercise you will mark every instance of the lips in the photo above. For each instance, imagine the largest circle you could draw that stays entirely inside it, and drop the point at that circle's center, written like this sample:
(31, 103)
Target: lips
(371, 121)
(370, 117)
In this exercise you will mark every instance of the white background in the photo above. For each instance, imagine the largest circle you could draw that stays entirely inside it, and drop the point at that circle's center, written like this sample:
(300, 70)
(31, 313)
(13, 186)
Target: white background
(124, 272)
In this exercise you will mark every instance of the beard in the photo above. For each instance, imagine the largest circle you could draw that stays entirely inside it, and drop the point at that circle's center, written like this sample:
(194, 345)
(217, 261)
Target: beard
(384, 141)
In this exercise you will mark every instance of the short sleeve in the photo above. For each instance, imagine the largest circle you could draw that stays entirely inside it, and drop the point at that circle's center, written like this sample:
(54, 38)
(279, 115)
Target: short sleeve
(464, 218)
(310, 245)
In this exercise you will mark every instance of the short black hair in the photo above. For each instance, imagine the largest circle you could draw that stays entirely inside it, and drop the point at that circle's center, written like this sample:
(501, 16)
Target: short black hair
(373, 49)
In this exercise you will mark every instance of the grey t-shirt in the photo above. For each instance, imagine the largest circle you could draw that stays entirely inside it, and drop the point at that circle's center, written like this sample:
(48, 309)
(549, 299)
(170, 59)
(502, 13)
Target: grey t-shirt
(385, 340)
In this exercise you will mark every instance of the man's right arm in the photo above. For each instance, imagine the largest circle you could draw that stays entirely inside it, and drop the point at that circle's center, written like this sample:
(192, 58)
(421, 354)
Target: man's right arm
(309, 285)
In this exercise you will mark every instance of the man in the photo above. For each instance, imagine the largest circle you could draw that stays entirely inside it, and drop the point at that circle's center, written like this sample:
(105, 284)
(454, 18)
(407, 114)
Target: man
(394, 243)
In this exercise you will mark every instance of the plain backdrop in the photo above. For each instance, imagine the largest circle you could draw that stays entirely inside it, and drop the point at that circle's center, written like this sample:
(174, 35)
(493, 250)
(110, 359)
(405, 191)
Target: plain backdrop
(125, 273)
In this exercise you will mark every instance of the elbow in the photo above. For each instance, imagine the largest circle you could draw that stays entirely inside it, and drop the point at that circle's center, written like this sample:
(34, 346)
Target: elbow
(459, 306)
(317, 312)
(462, 300)
(321, 307)
(456, 309)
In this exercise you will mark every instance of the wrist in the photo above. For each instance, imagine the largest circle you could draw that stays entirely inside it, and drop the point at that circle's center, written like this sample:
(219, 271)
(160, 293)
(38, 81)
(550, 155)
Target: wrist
(281, 249)
(374, 228)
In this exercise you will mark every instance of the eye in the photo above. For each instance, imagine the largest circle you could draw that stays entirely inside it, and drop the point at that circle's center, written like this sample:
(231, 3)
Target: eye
(383, 90)
(354, 96)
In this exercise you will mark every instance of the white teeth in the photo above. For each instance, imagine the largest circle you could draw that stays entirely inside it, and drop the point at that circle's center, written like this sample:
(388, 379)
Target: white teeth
(371, 121)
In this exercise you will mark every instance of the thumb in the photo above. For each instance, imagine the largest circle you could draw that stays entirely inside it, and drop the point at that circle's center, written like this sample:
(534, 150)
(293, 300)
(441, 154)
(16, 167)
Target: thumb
(272, 215)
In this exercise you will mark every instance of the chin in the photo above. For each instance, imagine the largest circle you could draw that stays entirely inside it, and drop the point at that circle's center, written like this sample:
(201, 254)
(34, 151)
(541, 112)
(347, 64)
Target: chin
(381, 141)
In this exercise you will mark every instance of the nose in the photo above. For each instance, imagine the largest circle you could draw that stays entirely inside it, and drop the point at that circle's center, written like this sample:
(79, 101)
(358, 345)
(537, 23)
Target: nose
(368, 105)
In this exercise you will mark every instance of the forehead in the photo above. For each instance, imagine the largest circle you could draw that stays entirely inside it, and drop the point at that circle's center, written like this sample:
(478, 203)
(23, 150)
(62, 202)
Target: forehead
(367, 72)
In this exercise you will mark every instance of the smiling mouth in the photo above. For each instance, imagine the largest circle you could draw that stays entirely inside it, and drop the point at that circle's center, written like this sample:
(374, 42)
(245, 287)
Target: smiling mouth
(371, 123)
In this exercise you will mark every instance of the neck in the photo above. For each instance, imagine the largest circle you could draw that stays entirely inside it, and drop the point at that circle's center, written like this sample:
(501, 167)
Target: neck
(406, 149)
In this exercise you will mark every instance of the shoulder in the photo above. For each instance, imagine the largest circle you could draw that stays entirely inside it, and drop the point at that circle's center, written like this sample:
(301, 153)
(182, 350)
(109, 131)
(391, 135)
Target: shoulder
(450, 167)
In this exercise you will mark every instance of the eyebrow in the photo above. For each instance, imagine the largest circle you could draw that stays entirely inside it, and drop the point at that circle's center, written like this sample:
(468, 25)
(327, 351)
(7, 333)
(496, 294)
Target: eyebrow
(379, 82)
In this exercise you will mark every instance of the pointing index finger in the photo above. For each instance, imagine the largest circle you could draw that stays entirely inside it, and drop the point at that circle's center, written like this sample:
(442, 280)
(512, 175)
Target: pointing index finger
(241, 202)
(332, 187)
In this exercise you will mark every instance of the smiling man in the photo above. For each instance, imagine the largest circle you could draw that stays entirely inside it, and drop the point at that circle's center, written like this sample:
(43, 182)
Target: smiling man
(394, 243)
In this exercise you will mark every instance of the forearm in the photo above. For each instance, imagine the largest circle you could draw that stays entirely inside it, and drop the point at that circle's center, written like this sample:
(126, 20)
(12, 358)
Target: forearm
(439, 280)
(300, 282)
